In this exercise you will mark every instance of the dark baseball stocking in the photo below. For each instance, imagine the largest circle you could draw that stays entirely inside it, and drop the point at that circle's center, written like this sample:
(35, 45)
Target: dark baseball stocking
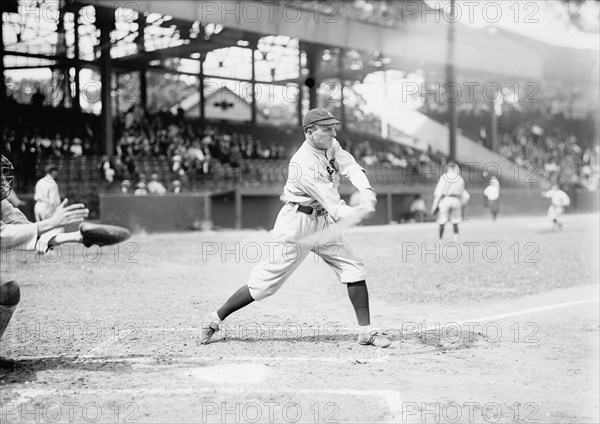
(359, 296)
(237, 301)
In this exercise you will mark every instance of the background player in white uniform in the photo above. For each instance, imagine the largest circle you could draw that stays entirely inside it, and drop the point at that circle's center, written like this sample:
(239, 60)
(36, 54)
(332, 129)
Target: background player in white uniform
(492, 195)
(448, 198)
(47, 197)
(307, 222)
(559, 200)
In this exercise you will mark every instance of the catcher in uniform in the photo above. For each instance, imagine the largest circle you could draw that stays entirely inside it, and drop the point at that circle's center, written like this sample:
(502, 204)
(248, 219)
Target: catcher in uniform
(313, 211)
(448, 198)
(17, 233)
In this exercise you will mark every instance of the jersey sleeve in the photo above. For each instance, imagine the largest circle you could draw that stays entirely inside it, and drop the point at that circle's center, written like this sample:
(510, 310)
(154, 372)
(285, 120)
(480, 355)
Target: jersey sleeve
(15, 229)
(439, 188)
(349, 168)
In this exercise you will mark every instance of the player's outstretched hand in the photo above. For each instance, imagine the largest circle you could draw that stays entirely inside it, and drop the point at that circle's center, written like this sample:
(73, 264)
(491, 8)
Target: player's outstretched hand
(368, 198)
(64, 215)
(351, 216)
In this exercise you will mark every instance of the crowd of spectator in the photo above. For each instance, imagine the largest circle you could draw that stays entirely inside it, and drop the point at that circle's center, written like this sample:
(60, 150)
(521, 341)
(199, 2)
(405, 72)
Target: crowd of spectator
(369, 153)
(554, 154)
(195, 152)
(191, 151)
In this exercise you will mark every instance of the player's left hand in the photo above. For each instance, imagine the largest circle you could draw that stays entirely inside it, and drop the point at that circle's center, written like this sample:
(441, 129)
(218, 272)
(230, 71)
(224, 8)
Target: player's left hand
(102, 235)
(368, 199)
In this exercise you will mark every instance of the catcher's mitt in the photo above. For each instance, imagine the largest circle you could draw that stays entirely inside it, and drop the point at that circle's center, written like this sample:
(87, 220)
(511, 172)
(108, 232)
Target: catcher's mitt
(102, 235)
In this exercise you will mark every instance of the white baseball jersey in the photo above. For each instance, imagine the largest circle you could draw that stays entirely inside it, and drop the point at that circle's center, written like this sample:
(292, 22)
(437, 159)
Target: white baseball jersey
(451, 189)
(559, 200)
(313, 180)
(450, 184)
(492, 192)
(47, 198)
(314, 177)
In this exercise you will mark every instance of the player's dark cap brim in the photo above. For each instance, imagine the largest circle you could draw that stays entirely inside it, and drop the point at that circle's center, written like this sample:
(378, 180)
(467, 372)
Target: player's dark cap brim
(325, 121)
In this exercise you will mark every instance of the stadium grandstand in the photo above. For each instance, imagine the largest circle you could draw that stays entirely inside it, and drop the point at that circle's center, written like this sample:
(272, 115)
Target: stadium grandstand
(209, 101)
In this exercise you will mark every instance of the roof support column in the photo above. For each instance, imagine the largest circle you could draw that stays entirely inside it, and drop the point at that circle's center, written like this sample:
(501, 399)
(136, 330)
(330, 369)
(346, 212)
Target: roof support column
(453, 93)
(202, 99)
(313, 55)
(106, 23)
(140, 41)
(253, 47)
(342, 85)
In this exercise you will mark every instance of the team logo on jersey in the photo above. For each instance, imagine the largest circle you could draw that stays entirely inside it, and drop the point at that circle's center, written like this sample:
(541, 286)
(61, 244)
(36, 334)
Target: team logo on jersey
(331, 169)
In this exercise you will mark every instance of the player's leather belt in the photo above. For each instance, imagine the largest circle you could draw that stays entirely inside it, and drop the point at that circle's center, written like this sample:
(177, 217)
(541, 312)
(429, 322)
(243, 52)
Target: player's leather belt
(450, 195)
(308, 210)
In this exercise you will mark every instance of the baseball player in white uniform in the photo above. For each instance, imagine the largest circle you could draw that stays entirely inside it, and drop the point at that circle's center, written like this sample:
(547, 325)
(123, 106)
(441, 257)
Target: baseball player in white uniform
(492, 195)
(448, 198)
(47, 197)
(311, 212)
(559, 200)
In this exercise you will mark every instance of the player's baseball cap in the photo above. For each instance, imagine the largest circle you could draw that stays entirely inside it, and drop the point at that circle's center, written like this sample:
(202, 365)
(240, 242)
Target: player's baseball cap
(319, 116)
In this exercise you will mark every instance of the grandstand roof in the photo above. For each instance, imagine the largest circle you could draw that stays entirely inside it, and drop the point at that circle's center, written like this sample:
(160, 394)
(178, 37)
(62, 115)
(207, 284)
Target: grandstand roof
(414, 44)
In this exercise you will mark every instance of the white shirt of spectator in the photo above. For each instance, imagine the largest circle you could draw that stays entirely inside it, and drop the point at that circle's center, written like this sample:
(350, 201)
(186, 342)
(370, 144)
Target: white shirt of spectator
(76, 149)
(418, 205)
(109, 173)
(156, 187)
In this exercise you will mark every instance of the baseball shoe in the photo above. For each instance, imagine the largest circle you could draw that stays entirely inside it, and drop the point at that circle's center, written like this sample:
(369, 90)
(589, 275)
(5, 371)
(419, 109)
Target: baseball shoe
(374, 339)
(207, 331)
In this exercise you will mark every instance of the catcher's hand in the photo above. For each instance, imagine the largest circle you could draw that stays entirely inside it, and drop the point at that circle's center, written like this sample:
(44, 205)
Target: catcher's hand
(64, 215)
(102, 235)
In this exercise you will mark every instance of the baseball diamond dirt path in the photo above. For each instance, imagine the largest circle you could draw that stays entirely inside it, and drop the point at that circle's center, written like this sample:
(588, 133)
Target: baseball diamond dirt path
(476, 339)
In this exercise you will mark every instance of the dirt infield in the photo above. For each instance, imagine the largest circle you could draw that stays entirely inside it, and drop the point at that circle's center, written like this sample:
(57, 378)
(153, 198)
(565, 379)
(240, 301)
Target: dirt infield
(502, 326)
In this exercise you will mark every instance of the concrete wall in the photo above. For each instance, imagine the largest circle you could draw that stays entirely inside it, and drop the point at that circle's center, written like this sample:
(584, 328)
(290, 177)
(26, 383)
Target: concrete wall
(171, 212)
(258, 208)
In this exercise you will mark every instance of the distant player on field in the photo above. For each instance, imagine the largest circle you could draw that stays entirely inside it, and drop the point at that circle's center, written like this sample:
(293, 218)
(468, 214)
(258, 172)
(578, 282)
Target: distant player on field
(559, 200)
(449, 198)
(492, 196)
(47, 197)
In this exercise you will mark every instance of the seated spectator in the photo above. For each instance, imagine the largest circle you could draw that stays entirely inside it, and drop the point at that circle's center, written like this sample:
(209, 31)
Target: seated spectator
(76, 149)
(418, 209)
(107, 172)
(140, 189)
(126, 186)
(176, 186)
(155, 186)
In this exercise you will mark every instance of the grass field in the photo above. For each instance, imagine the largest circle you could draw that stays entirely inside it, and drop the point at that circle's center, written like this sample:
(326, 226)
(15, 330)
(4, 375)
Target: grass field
(502, 326)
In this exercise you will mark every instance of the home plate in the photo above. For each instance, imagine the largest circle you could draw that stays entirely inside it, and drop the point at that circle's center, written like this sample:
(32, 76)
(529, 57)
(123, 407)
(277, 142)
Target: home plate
(240, 373)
